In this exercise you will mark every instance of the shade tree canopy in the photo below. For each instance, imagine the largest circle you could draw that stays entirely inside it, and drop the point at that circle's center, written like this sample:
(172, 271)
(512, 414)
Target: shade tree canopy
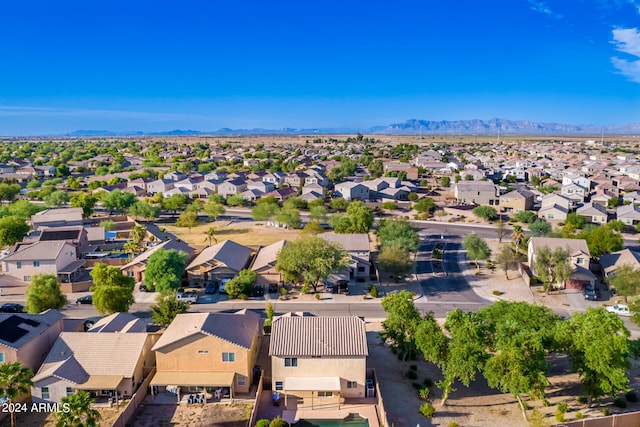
(112, 290)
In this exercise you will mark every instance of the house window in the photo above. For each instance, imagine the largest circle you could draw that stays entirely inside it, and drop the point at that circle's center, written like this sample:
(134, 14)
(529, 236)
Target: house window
(279, 386)
(26, 278)
(352, 384)
(69, 391)
(1, 357)
(325, 394)
(44, 392)
(241, 380)
(36, 263)
(228, 357)
(196, 388)
(550, 216)
(19, 264)
(580, 261)
(360, 269)
(203, 351)
(291, 361)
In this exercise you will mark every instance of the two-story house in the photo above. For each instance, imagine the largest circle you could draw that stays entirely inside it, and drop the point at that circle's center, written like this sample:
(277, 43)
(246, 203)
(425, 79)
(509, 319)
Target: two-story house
(231, 187)
(517, 200)
(476, 192)
(351, 191)
(579, 257)
(358, 247)
(52, 257)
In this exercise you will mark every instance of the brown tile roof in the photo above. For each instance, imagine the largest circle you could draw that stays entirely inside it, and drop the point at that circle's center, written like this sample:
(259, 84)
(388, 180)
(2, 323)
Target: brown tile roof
(267, 255)
(318, 336)
(229, 253)
(237, 328)
(576, 246)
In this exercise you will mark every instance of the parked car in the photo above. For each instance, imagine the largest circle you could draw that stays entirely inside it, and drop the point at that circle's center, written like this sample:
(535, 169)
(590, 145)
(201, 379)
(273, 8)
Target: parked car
(144, 288)
(190, 297)
(87, 299)
(590, 293)
(273, 288)
(11, 308)
(258, 291)
(223, 286)
(619, 309)
(330, 287)
(211, 288)
(343, 286)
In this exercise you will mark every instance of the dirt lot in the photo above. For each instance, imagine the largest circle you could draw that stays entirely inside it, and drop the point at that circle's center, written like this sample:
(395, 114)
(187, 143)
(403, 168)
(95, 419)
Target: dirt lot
(246, 233)
(193, 415)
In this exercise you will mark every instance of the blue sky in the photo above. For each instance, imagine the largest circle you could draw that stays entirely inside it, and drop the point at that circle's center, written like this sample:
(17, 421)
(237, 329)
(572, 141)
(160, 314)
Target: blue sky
(206, 64)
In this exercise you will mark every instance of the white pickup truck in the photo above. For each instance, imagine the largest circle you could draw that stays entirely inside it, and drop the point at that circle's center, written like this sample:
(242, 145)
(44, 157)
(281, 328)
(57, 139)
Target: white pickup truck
(190, 297)
(619, 309)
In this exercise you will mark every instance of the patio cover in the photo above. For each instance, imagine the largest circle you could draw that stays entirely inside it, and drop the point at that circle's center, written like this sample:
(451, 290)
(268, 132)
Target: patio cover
(312, 383)
(220, 379)
(101, 382)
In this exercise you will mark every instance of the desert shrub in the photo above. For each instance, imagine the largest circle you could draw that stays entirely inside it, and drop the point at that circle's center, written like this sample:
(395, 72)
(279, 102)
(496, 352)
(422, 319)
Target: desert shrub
(305, 289)
(562, 407)
(619, 402)
(412, 375)
(559, 416)
(496, 292)
(263, 423)
(278, 422)
(631, 396)
(427, 410)
(424, 393)
(582, 400)
(545, 403)
(317, 296)
(374, 291)
(453, 424)
(606, 412)
(579, 415)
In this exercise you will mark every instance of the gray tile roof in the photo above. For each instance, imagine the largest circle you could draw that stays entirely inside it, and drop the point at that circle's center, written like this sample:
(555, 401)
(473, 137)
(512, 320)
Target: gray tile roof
(119, 322)
(238, 328)
(54, 215)
(229, 253)
(576, 246)
(17, 329)
(349, 242)
(40, 251)
(318, 336)
(266, 256)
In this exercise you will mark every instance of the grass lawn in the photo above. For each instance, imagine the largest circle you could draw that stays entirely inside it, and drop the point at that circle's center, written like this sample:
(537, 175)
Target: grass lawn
(244, 233)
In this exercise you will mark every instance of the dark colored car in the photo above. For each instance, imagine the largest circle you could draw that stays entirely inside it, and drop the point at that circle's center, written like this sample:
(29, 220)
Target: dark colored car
(343, 286)
(273, 288)
(11, 308)
(258, 291)
(87, 299)
(211, 288)
(330, 287)
(590, 293)
(143, 288)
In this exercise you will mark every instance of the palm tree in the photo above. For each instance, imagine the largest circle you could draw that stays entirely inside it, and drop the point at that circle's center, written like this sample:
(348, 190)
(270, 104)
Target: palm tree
(79, 413)
(210, 232)
(15, 379)
(131, 248)
(516, 236)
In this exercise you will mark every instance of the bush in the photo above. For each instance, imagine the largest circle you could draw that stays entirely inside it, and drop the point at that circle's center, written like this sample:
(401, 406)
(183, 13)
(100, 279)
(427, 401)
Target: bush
(412, 375)
(545, 403)
(453, 424)
(424, 393)
(631, 396)
(496, 292)
(606, 412)
(278, 422)
(427, 410)
(582, 400)
(318, 296)
(619, 402)
(263, 423)
(374, 291)
(562, 407)
(579, 415)
(559, 416)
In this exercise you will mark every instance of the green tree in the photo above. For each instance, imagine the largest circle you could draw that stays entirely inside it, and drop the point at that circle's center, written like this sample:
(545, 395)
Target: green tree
(525, 217)
(445, 182)
(85, 201)
(145, 210)
(396, 260)
(112, 291)
(211, 231)
(288, 216)
(43, 294)
(626, 280)
(602, 240)
(264, 211)
(118, 200)
(517, 235)
(376, 169)
(400, 326)
(398, 232)
(167, 308)
(507, 258)
(358, 219)
(242, 284)
(426, 204)
(485, 212)
(23, 209)
(314, 228)
(310, 260)
(597, 343)
(296, 203)
(552, 266)
(80, 413)
(109, 225)
(12, 230)
(57, 199)
(165, 269)
(540, 228)
(576, 221)
(138, 234)
(612, 203)
(213, 209)
(237, 200)
(8, 192)
(15, 380)
(187, 219)
(318, 213)
(476, 247)
(339, 204)
(174, 203)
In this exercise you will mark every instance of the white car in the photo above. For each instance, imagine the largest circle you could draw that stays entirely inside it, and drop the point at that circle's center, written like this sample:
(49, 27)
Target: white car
(190, 297)
(619, 309)
(223, 285)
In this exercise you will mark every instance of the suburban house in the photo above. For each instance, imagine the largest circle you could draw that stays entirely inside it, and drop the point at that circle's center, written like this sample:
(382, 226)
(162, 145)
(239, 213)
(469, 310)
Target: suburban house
(56, 218)
(593, 212)
(160, 186)
(282, 194)
(223, 260)
(358, 248)
(264, 263)
(77, 235)
(295, 179)
(574, 192)
(351, 191)
(275, 178)
(56, 257)
(517, 201)
(579, 258)
(476, 192)
(27, 338)
(136, 267)
(107, 365)
(318, 362)
(208, 353)
(610, 263)
(628, 214)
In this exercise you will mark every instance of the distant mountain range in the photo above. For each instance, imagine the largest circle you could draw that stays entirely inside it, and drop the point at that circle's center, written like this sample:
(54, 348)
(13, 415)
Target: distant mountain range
(409, 127)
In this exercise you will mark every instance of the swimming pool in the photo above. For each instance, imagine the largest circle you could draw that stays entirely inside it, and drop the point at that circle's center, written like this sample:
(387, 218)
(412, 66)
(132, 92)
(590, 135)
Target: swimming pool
(352, 420)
